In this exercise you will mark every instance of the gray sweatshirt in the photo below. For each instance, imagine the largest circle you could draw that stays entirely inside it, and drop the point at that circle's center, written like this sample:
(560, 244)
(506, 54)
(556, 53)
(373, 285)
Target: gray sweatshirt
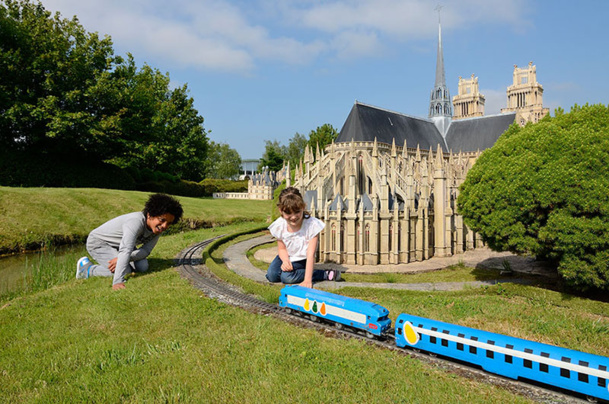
(125, 233)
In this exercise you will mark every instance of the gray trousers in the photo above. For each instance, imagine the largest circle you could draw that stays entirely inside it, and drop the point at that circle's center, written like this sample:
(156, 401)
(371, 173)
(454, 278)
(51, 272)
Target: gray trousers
(103, 253)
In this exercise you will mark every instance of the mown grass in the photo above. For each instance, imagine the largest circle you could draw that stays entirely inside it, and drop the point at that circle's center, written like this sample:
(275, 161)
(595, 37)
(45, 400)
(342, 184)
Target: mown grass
(39, 217)
(160, 340)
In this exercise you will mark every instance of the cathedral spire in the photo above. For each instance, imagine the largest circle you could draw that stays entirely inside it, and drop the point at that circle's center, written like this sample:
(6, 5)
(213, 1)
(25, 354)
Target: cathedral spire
(440, 104)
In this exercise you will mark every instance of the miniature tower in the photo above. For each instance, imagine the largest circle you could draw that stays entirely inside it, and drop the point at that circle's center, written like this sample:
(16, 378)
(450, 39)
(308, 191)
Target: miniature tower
(525, 96)
(440, 107)
(469, 103)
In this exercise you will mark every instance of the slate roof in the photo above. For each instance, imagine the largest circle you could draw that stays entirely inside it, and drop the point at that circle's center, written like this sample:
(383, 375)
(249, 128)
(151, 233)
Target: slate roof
(366, 122)
(473, 134)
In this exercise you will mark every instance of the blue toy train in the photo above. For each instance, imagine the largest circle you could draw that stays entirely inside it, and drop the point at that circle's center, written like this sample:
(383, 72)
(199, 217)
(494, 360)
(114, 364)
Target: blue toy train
(511, 357)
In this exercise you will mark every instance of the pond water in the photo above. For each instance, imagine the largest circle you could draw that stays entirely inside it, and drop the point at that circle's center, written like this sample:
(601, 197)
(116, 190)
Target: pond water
(15, 269)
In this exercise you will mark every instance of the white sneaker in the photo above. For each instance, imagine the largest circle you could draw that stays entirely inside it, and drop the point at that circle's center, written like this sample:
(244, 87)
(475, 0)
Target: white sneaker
(82, 268)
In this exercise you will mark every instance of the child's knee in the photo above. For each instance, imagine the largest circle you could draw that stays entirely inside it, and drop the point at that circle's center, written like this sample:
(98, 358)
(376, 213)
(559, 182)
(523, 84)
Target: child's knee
(291, 277)
(141, 265)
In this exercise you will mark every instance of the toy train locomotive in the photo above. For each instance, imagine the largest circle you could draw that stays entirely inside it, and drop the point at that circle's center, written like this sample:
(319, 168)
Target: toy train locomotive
(511, 357)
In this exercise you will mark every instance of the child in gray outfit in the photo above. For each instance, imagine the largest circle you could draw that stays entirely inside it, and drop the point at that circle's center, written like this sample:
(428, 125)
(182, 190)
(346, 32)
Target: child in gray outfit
(114, 244)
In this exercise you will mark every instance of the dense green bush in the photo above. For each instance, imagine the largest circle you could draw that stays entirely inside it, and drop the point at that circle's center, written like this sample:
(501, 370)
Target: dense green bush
(543, 190)
(44, 170)
(212, 185)
(178, 187)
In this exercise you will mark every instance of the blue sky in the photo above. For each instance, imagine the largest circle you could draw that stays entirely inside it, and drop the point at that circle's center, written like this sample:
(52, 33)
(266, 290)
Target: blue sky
(266, 69)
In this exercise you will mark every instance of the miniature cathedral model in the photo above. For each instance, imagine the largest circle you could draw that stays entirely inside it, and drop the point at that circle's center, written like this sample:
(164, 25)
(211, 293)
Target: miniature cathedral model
(387, 187)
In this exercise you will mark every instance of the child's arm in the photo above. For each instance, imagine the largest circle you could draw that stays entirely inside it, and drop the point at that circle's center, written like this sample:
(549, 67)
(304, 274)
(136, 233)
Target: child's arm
(282, 251)
(311, 248)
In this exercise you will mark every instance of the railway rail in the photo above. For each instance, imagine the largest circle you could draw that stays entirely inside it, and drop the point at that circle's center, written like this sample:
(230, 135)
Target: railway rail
(189, 264)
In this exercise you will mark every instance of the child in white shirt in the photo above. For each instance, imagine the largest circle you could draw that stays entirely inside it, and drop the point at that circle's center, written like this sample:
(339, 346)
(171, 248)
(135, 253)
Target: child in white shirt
(297, 234)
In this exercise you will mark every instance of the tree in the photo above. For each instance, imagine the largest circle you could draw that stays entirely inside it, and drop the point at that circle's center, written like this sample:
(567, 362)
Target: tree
(273, 157)
(63, 91)
(322, 136)
(296, 149)
(47, 66)
(222, 162)
(542, 190)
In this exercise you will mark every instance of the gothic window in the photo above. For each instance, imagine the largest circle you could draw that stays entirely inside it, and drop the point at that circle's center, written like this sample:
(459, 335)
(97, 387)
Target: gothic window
(333, 237)
(390, 237)
(367, 238)
(360, 162)
(342, 237)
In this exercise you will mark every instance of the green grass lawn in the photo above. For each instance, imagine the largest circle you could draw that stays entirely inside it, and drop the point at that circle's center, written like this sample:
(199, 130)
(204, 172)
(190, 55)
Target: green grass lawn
(161, 340)
(32, 217)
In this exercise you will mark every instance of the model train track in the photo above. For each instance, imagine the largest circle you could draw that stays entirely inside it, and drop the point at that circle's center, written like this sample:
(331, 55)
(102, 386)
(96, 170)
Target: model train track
(189, 264)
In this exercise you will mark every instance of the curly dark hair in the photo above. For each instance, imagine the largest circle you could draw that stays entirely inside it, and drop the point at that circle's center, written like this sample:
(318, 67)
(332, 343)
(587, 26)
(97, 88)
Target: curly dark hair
(159, 204)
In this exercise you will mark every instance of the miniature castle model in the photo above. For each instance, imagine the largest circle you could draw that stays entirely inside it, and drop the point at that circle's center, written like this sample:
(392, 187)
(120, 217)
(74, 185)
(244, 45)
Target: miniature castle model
(387, 187)
(260, 186)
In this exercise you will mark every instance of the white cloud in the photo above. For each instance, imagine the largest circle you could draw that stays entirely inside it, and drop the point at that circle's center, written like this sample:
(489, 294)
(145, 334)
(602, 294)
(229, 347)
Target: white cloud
(240, 35)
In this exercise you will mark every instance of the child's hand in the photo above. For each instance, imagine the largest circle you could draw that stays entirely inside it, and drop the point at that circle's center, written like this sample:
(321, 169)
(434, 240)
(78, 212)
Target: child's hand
(307, 284)
(112, 264)
(286, 266)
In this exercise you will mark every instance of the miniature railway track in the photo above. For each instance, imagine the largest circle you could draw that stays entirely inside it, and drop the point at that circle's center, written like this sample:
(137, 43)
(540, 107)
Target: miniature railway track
(189, 264)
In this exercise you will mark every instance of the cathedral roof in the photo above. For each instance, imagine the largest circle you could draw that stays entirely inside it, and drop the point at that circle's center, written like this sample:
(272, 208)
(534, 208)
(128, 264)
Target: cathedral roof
(480, 133)
(365, 123)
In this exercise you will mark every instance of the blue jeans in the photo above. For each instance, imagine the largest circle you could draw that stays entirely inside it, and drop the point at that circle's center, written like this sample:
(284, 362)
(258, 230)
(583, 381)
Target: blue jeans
(275, 274)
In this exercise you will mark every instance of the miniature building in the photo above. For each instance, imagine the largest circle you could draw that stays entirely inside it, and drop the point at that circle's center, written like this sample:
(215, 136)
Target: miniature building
(525, 96)
(260, 186)
(469, 103)
(387, 188)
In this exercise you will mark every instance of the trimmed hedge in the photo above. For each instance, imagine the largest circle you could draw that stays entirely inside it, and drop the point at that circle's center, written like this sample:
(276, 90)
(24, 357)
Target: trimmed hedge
(18, 169)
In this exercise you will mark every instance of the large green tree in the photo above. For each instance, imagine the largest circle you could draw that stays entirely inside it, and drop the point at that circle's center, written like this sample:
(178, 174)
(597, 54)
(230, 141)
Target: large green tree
(322, 136)
(274, 156)
(543, 190)
(296, 148)
(47, 66)
(63, 91)
(223, 162)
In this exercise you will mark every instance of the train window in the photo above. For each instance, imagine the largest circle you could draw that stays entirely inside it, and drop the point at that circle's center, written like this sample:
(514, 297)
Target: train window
(527, 363)
(445, 341)
(542, 366)
(460, 345)
(602, 382)
(399, 331)
(489, 353)
(472, 349)
(509, 358)
(433, 339)
(582, 377)
(565, 372)
(401, 321)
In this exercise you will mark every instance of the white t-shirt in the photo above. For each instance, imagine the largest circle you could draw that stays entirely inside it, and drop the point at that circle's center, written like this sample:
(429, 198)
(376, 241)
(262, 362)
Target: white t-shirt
(297, 242)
